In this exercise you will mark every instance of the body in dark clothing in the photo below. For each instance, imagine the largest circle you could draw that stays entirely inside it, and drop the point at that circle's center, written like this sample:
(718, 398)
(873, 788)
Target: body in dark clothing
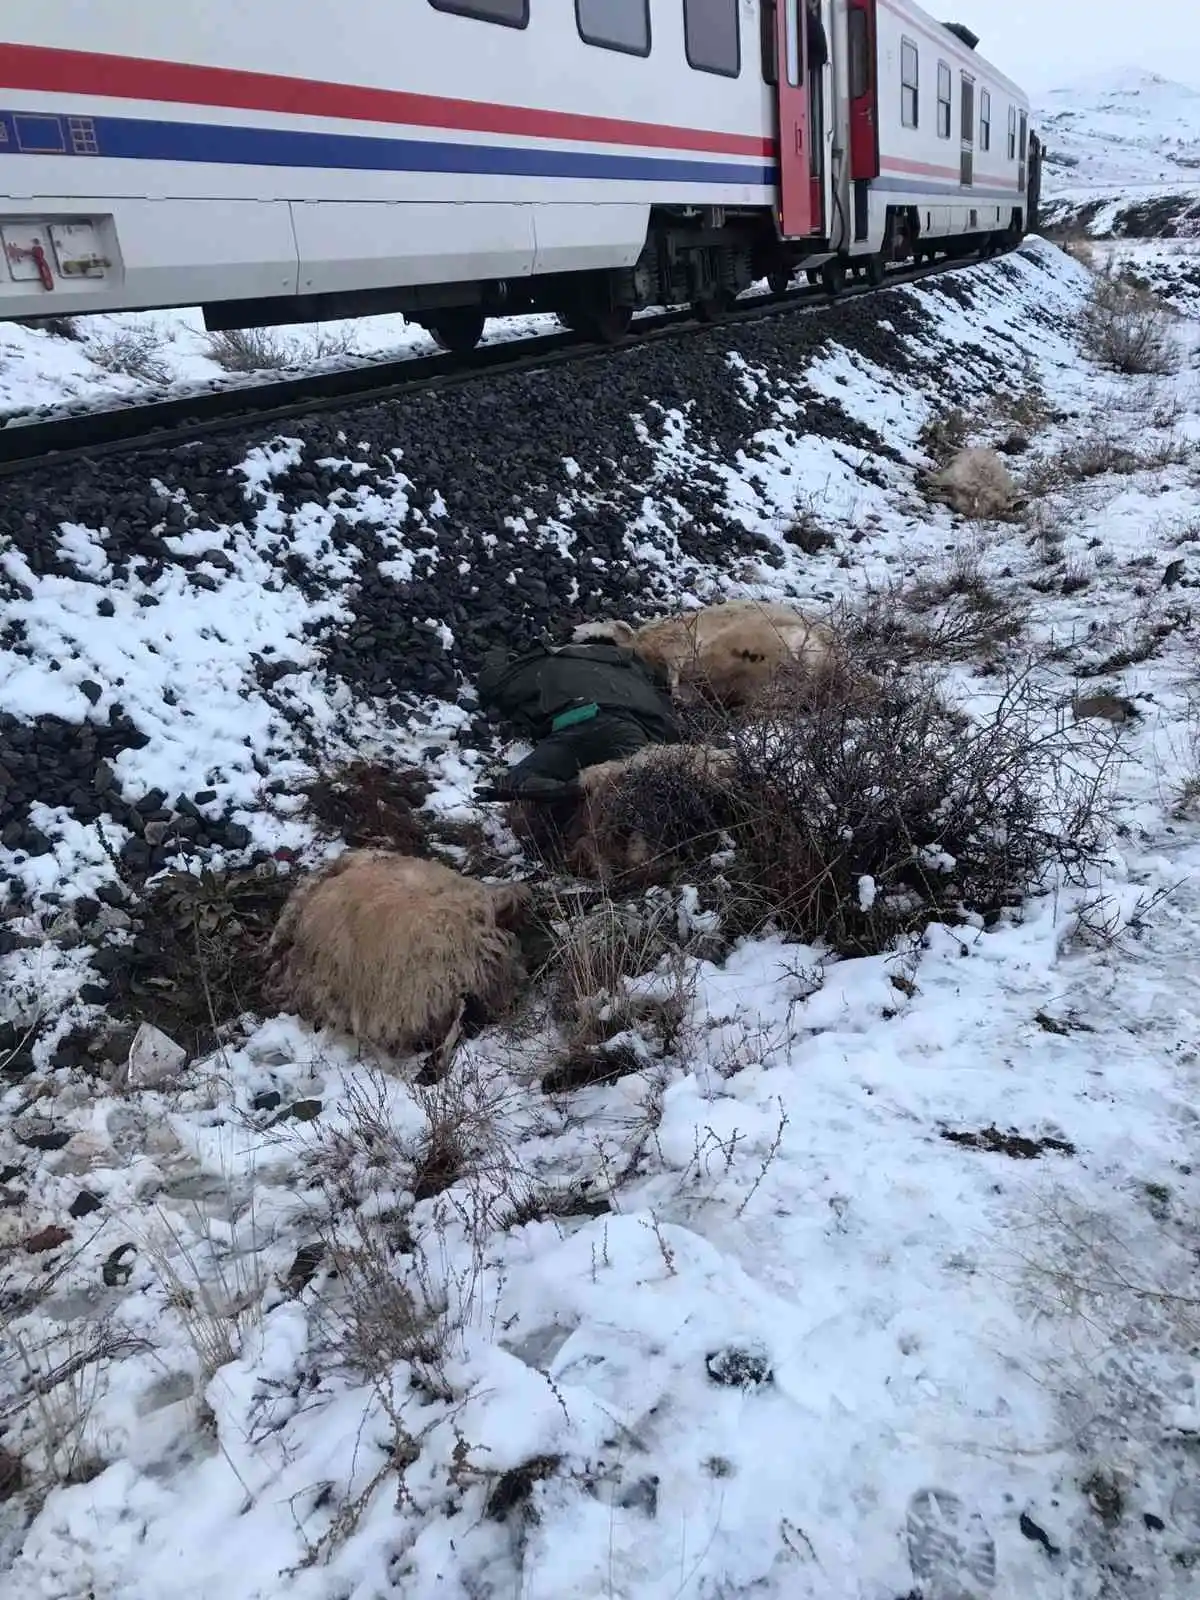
(581, 704)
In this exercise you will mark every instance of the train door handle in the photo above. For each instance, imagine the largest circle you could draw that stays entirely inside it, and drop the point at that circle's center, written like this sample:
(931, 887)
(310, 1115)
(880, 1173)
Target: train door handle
(799, 131)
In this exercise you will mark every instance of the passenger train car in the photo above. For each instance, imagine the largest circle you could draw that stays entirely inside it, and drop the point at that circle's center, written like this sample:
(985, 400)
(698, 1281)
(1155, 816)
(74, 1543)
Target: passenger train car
(457, 159)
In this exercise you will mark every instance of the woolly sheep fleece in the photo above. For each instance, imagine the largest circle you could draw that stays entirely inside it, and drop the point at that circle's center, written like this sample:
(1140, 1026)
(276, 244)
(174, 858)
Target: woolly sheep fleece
(976, 483)
(387, 948)
(729, 652)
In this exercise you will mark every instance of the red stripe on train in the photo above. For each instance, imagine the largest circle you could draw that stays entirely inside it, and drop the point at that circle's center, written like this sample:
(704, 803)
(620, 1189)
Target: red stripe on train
(37, 68)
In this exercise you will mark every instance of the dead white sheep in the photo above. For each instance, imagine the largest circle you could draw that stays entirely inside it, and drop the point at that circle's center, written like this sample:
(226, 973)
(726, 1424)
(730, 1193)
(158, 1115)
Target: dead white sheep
(976, 483)
(389, 949)
(728, 653)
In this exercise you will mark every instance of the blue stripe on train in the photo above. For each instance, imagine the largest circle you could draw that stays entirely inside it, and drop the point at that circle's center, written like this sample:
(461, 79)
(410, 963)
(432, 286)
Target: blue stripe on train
(141, 139)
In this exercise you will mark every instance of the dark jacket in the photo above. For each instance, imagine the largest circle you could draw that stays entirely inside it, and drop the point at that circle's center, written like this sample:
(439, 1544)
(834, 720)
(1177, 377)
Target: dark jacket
(531, 690)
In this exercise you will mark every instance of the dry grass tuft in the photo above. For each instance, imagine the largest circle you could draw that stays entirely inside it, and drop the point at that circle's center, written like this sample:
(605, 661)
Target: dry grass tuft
(131, 352)
(1128, 329)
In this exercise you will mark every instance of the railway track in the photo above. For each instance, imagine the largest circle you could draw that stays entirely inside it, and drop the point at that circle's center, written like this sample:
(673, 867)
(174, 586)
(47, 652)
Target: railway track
(25, 446)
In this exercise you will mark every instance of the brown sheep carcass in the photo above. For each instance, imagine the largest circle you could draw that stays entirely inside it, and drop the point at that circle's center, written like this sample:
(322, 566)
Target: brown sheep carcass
(728, 653)
(389, 949)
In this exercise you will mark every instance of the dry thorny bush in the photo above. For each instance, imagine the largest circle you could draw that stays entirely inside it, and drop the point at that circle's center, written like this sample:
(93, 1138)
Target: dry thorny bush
(861, 817)
(1128, 329)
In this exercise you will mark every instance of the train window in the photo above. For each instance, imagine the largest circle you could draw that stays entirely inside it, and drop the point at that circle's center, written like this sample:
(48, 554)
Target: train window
(770, 43)
(909, 83)
(860, 54)
(1012, 133)
(711, 37)
(509, 13)
(615, 24)
(985, 120)
(945, 90)
(1024, 136)
(967, 107)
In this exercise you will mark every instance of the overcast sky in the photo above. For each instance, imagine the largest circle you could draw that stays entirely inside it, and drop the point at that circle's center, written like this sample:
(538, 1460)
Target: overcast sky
(1044, 44)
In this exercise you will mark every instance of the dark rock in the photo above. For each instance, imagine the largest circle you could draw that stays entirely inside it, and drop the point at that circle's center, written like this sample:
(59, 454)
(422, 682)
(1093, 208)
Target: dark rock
(118, 1266)
(51, 1238)
(11, 1198)
(91, 690)
(84, 1203)
(237, 835)
(41, 1137)
(12, 1475)
(267, 1101)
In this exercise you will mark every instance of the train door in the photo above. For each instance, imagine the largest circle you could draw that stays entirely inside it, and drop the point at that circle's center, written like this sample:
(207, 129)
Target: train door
(1022, 147)
(864, 108)
(966, 162)
(795, 187)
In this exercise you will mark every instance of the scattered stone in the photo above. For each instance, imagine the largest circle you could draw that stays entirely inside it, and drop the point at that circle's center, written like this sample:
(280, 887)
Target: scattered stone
(39, 1133)
(306, 1110)
(91, 690)
(1104, 707)
(154, 1059)
(12, 1475)
(10, 1199)
(267, 1100)
(51, 1238)
(118, 1266)
(84, 1203)
(304, 1267)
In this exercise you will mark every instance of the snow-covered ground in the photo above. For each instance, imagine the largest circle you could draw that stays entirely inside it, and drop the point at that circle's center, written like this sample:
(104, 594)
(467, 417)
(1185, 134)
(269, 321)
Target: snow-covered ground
(780, 1313)
(111, 360)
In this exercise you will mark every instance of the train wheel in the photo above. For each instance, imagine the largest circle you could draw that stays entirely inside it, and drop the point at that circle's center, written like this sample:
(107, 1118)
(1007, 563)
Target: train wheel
(813, 274)
(609, 326)
(458, 329)
(875, 271)
(779, 282)
(713, 308)
(833, 277)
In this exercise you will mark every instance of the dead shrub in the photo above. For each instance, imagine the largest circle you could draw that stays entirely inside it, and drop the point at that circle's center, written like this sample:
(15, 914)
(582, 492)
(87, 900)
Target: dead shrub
(249, 349)
(865, 821)
(198, 959)
(959, 615)
(1129, 330)
(601, 945)
(135, 351)
(944, 434)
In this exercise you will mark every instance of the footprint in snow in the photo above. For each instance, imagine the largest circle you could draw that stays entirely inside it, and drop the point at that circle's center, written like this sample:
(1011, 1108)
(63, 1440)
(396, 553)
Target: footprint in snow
(950, 1551)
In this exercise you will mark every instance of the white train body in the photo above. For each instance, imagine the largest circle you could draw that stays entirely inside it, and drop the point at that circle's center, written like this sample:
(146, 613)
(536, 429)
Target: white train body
(278, 163)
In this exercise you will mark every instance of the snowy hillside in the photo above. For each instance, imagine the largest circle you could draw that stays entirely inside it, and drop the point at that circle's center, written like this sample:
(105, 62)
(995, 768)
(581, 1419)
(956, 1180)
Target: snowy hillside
(1127, 128)
(814, 1270)
(1123, 154)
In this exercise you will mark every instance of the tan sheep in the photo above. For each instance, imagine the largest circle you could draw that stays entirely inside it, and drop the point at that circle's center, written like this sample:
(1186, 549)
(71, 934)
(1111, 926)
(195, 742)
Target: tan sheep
(603, 841)
(728, 652)
(976, 483)
(388, 948)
